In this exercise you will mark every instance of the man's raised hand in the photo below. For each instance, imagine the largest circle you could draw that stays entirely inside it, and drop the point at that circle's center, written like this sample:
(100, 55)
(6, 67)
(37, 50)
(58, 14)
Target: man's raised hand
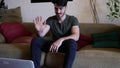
(39, 24)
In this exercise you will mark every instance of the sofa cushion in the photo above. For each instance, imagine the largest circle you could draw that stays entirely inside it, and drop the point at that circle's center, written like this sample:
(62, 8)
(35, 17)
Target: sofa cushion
(19, 51)
(11, 15)
(56, 61)
(13, 30)
(106, 40)
(96, 59)
(83, 41)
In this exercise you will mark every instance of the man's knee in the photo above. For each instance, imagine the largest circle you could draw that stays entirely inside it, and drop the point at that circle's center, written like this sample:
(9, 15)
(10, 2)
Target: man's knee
(34, 40)
(71, 43)
(37, 41)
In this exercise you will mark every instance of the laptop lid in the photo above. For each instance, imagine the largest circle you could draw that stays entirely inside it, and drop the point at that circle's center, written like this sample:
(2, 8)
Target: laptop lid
(15, 63)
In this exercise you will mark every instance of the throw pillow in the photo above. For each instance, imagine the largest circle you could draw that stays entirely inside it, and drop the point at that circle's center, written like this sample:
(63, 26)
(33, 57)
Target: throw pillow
(2, 39)
(107, 44)
(13, 30)
(23, 39)
(83, 41)
(11, 15)
(112, 35)
(106, 40)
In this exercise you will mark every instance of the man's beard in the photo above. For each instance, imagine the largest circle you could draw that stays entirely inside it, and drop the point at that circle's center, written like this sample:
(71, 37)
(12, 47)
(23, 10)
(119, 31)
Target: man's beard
(61, 15)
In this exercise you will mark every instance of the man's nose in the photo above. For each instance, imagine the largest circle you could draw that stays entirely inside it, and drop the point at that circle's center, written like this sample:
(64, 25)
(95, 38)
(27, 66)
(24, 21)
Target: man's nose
(58, 10)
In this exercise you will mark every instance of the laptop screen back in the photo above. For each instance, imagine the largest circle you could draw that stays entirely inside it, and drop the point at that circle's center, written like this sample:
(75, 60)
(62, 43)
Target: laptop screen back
(15, 63)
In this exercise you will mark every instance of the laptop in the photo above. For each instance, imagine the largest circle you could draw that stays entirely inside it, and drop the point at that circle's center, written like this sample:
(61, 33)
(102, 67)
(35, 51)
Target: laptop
(15, 63)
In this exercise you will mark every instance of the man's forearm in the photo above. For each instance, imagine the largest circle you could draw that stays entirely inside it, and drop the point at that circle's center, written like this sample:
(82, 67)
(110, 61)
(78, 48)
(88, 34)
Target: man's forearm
(42, 33)
(73, 36)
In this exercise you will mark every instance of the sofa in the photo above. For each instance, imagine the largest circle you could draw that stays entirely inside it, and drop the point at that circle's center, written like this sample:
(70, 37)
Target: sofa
(86, 57)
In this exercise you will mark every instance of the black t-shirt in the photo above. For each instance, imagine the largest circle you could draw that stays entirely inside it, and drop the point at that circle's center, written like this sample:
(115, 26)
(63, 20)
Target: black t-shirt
(59, 30)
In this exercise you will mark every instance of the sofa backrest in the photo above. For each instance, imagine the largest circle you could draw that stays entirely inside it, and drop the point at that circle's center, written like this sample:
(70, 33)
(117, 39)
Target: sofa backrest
(85, 28)
(30, 26)
(91, 28)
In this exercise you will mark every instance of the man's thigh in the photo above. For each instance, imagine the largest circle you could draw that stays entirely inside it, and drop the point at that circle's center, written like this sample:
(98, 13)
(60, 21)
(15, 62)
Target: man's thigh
(67, 45)
(46, 46)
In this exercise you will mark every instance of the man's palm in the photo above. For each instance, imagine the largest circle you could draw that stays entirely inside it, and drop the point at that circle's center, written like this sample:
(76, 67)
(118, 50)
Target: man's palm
(39, 25)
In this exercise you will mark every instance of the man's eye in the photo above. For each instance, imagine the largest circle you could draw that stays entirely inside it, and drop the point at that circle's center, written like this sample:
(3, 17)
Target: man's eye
(60, 8)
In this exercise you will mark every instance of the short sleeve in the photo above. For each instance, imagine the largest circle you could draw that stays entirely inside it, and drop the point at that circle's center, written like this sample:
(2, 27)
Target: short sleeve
(48, 21)
(75, 21)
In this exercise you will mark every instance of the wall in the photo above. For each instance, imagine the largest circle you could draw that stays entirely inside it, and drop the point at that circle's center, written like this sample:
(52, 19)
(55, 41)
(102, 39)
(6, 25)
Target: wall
(79, 8)
(103, 11)
(31, 10)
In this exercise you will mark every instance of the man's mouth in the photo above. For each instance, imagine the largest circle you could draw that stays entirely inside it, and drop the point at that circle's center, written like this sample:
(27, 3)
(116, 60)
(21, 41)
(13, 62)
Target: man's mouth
(58, 13)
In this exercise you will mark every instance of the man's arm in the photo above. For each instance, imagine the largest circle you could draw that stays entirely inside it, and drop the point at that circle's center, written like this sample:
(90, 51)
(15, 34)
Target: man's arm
(41, 26)
(75, 32)
(42, 33)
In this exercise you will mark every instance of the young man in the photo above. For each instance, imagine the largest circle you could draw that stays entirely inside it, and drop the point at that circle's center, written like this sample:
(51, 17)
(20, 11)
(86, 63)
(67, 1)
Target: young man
(65, 33)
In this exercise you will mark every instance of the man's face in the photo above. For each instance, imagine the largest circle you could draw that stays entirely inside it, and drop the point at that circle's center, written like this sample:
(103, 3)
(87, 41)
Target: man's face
(60, 11)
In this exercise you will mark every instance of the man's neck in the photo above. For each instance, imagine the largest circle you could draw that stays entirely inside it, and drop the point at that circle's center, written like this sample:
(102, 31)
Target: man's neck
(62, 18)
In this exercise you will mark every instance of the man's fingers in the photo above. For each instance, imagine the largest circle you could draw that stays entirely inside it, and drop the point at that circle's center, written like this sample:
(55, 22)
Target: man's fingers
(50, 48)
(39, 19)
(56, 50)
(36, 19)
(53, 49)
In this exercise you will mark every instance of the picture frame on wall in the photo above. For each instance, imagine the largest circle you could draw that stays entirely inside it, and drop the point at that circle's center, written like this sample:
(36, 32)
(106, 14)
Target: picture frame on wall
(38, 1)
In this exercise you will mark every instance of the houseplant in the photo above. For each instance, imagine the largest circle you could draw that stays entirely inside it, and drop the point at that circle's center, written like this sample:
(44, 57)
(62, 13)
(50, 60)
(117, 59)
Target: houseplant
(2, 5)
(114, 9)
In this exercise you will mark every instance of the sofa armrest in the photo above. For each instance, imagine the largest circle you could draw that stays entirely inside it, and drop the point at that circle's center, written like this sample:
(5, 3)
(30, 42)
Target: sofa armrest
(18, 51)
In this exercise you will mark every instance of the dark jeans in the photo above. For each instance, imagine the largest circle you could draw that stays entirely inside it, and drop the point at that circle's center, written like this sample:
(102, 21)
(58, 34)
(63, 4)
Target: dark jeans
(39, 44)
